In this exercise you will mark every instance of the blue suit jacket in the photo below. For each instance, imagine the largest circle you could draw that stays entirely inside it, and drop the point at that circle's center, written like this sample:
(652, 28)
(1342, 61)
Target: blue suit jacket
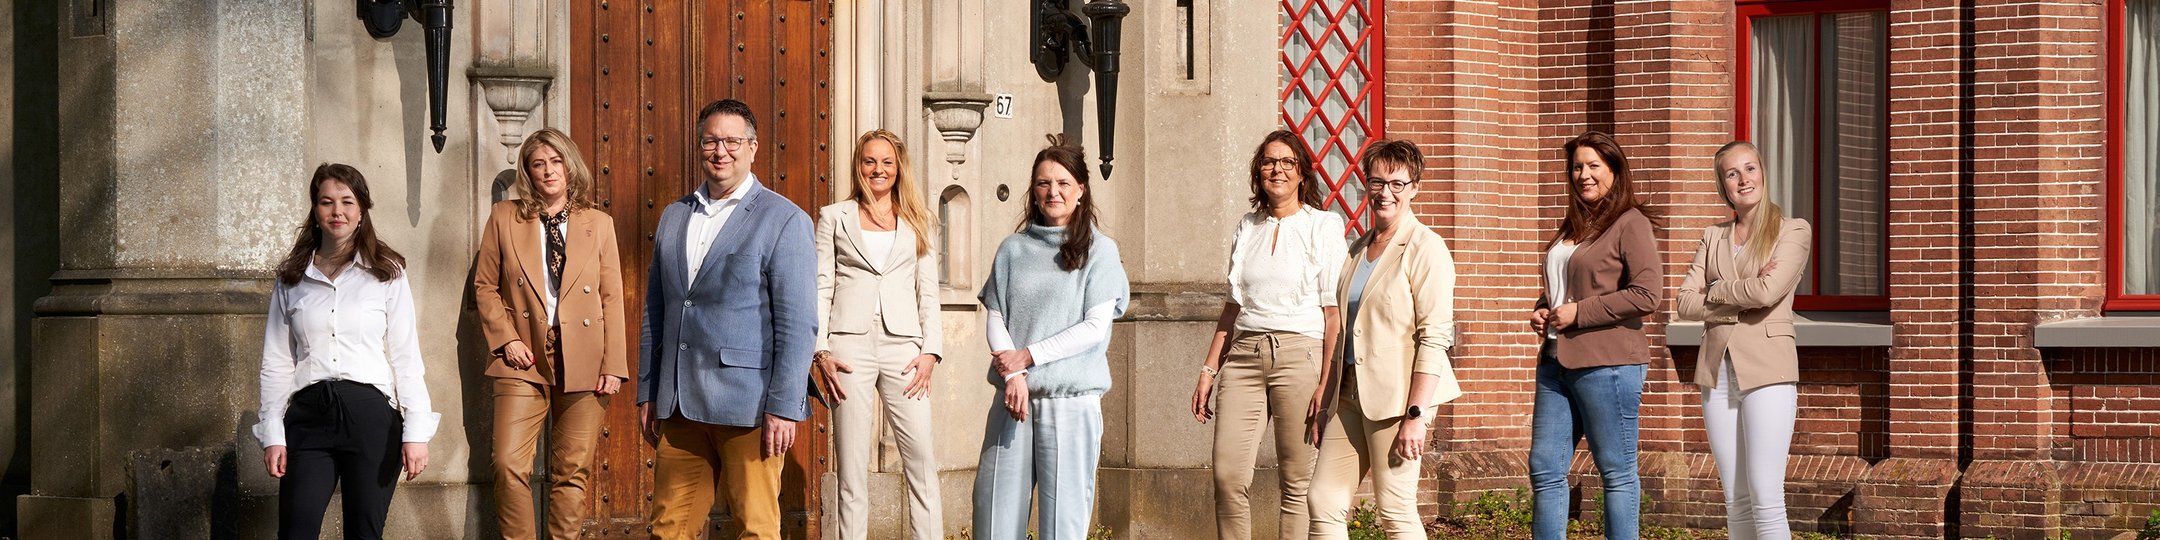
(736, 343)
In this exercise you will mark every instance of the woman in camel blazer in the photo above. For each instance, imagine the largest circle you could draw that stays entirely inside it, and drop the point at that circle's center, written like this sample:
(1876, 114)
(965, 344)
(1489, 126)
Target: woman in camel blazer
(1398, 296)
(1741, 286)
(549, 287)
(1601, 276)
(880, 334)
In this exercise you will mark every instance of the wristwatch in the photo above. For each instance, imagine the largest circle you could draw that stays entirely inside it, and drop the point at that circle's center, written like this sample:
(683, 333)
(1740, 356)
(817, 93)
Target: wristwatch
(1414, 413)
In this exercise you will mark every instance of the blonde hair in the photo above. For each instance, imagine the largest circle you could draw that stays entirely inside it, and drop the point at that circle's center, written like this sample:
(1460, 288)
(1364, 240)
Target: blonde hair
(907, 196)
(580, 190)
(1768, 216)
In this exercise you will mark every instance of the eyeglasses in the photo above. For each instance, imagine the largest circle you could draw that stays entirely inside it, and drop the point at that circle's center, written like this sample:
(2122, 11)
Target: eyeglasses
(1284, 163)
(1391, 187)
(732, 143)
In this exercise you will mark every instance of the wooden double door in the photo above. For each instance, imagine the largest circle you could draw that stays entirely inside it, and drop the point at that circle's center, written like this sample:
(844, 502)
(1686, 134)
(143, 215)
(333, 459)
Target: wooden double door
(639, 72)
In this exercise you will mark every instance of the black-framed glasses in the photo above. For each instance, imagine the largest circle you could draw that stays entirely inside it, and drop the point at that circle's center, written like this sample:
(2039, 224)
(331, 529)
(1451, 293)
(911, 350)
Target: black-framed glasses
(1391, 187)
(1286, 163)
(732, 143)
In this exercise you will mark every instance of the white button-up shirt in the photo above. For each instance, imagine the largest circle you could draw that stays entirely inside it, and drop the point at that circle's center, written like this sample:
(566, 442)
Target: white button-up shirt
(354, 328)
(707, 217)
(1283, 270)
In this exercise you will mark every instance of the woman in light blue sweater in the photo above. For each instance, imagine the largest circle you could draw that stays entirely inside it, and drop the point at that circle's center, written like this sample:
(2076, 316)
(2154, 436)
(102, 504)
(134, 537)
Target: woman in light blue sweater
(1054, 287)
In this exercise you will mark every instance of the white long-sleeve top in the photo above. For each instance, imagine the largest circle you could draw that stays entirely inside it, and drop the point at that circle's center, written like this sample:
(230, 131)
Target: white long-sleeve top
(353, 328)
(1093, 329)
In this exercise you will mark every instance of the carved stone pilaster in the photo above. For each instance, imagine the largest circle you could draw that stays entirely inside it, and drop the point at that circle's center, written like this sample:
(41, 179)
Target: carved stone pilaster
(513, 93)
(956, 115)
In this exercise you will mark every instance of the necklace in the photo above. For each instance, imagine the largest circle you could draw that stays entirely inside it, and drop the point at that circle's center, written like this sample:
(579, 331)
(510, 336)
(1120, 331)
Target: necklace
(890, 223)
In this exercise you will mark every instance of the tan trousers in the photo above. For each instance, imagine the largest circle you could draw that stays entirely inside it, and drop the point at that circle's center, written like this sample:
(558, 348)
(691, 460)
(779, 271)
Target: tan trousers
(522, 409)
(695, 460)
(1352, 446)
(878, 358)
(1267, 378)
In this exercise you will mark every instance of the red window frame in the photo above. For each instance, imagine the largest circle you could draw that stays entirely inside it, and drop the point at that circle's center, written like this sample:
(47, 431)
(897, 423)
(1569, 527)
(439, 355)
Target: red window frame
(2117, 22)
(1743, 84)
(1373, 67)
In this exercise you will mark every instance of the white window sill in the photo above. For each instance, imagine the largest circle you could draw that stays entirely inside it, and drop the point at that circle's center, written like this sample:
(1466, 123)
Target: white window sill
(1810, 329)
(2110, 331)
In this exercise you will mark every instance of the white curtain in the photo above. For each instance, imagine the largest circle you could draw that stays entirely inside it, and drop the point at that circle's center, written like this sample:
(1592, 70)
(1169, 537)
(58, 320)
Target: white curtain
(1781, 63)
(2141, 152)
(1852, 150)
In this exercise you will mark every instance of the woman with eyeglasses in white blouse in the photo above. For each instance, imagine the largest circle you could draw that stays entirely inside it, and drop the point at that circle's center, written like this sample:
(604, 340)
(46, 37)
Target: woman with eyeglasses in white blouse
(343, 399)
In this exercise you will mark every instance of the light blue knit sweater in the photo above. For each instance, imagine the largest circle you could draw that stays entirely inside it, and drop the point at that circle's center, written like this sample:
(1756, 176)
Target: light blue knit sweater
(1040, 300)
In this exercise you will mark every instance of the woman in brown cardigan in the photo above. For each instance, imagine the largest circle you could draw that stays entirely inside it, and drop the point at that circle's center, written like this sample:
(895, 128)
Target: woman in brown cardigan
(1601, 277)
(549, 287)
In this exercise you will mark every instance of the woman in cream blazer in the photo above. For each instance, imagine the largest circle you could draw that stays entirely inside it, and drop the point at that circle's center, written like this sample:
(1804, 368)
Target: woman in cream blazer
(1398, 298)
(1741, 286)
(879, 332)
(551, 308)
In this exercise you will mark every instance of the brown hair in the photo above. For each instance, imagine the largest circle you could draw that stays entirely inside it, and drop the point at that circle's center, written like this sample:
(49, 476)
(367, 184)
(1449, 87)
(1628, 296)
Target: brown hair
(1308, 184)
(580, 188)
(907, 197)
(1585, 221)
(380, 261)
(1080, 232)
(1391, 152)
(1769, 217)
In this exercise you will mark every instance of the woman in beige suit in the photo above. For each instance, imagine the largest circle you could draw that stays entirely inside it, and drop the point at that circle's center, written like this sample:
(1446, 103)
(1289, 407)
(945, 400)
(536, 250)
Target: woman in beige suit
(1398, 298)
(879, 333)
(1741, 287)
(549, 287)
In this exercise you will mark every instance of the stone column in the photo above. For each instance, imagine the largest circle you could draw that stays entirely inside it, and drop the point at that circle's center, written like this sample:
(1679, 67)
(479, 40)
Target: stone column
(181, 178)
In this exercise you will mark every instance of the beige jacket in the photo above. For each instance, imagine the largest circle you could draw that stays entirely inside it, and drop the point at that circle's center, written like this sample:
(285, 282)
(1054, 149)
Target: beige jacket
(1405, 322)
(1746, 315)
(851, 286)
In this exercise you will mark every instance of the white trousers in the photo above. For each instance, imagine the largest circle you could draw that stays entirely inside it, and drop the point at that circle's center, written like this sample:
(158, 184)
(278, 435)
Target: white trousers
(1047, 462)
(878, 359)
(1750, 436)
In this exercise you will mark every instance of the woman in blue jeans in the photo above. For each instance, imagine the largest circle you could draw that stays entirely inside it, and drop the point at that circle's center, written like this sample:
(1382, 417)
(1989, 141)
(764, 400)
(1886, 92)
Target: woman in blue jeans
(1601, 276)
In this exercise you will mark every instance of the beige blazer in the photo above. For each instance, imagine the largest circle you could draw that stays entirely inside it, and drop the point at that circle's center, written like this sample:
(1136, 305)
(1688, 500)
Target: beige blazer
(851, 286)
(1748, 316)
(1404, 324)
(1614, 280)
(509, 281)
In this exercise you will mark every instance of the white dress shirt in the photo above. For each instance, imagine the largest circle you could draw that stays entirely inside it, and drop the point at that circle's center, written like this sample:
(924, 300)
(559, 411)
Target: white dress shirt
(1283, 270)
(707, 217)
(354, 328)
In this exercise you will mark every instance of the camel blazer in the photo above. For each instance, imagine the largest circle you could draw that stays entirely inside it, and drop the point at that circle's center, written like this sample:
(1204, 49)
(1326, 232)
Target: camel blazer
(1405, 322)
(1614, 280)
(1748, 316)
(508, 284)
(851, 287)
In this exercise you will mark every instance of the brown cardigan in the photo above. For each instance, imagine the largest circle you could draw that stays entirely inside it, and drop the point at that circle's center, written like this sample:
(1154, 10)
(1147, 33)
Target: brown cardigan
(1614, 280)
(508, 282)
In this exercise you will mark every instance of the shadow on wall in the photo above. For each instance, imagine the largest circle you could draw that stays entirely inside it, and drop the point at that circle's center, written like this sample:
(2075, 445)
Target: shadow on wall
(411, 63)
(34, 225)
(474, 386)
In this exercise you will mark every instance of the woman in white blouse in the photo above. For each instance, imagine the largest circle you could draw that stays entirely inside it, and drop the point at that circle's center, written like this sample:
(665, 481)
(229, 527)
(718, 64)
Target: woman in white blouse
(343, 400)
(879, 332)
(1277, 327)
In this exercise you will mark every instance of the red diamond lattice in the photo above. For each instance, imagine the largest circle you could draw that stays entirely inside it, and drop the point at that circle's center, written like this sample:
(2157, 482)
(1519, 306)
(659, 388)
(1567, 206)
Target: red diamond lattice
(1331, 83)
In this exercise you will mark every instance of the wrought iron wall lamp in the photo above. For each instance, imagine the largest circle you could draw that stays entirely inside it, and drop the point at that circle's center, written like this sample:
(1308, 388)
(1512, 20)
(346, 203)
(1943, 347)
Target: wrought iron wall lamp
(383, 17)
(1059, 32)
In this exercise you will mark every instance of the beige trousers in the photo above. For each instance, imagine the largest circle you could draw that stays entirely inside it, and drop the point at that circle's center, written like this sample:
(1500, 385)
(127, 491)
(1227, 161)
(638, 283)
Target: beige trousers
(878, 359)
(1267, 378)
(522, 409)
(1352, 446)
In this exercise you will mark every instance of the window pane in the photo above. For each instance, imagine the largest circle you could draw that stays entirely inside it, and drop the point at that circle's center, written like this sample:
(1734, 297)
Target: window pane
(1330, 90)
(2141, 152)
(1780, 58)
(1850, 192)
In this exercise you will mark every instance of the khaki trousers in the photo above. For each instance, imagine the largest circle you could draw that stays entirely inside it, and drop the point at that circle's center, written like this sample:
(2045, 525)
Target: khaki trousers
(522, 409)
(695, 460)
(1267, 378)
(1352, 446)
(878, 358)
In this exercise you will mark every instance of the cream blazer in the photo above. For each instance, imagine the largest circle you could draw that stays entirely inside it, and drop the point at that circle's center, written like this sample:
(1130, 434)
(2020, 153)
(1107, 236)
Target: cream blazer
(1405, 322)
(851, 286)
(1748, 316)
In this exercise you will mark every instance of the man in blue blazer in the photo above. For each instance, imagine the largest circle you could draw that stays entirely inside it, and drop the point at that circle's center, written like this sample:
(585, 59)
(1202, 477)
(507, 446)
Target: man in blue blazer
(724, 357)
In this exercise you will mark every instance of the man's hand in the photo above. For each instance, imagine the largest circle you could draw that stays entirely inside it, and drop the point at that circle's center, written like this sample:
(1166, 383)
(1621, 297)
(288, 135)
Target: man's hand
(779, 435)
(647, 424)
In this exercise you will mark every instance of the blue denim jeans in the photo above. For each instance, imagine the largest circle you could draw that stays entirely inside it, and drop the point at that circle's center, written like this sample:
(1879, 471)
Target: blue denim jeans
(1603, 403)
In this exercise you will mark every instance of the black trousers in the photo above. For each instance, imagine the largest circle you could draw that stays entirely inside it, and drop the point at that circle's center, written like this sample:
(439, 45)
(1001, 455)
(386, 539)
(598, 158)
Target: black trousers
(339, 433)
